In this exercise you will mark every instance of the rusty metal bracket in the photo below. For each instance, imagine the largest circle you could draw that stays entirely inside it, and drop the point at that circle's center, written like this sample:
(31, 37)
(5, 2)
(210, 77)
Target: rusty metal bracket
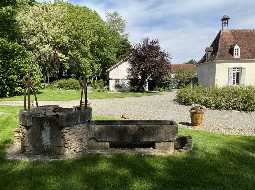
(84, 92)
(29, 89)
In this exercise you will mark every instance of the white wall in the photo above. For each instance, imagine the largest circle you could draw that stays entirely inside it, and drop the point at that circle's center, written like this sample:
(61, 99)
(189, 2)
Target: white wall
(120, 72)
(115, 83)
(221, 77)
(206, 74)
(119, 75)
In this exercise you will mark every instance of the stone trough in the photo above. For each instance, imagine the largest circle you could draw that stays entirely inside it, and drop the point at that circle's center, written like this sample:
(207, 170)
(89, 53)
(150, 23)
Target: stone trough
(66, 133)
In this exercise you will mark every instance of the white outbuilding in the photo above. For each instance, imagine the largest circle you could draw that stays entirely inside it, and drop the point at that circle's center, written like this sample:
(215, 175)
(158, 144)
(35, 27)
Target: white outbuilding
(118, 76)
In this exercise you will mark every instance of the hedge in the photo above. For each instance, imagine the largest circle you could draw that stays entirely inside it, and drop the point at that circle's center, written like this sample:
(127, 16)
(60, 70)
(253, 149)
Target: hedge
(67, 84)
(226, 98)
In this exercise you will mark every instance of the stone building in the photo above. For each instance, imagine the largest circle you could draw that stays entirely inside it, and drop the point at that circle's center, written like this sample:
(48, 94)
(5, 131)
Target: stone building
(230, 60)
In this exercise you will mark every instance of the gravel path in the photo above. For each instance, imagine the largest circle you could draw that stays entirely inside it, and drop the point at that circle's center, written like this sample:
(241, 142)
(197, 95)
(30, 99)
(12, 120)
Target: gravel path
(163, 107)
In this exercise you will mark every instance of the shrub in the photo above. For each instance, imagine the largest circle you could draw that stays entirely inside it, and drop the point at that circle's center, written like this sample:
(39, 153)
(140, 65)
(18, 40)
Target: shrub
(183, 78)
(98, 85)
(167, 84)
(15, 63)
(67, 84)
(179, 80)
(226, 98)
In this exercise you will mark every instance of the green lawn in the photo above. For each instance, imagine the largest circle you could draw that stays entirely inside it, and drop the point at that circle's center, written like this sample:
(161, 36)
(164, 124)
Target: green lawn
(58, 94)
(217, 162)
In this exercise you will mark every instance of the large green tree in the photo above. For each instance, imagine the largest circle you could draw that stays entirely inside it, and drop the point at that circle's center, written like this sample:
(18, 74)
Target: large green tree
(15, 63)
(8, 26)
(116, 22)
(65, 37)
(15, 60)
(191, 61)
(8, 23)
(43, 34)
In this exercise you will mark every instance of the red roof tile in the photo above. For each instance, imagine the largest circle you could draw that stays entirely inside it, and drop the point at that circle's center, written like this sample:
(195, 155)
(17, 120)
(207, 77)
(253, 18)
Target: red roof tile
(187, 67)
(225, 40)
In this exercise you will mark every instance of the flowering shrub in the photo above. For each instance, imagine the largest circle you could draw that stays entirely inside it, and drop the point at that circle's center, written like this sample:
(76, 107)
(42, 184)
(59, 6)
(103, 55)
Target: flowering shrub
(226, 98)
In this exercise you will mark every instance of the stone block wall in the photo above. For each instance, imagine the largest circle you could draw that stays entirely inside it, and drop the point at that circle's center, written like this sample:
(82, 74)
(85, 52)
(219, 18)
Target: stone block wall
(43, 130)
(75, 140)
(58, 132)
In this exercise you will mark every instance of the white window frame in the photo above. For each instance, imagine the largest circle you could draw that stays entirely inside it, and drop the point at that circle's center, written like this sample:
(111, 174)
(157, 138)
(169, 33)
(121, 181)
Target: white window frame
(236, 52)
(235, 72)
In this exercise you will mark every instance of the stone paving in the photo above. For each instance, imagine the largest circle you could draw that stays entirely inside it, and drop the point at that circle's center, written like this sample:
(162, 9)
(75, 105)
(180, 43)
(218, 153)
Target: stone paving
(164, 107)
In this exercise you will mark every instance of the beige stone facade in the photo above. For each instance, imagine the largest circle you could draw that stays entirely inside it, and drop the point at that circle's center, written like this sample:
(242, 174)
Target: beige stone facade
(220, 74)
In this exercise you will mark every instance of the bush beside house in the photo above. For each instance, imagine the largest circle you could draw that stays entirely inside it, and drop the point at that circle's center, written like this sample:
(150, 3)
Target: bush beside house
(226, 98)
(180, 76)
(184, 78)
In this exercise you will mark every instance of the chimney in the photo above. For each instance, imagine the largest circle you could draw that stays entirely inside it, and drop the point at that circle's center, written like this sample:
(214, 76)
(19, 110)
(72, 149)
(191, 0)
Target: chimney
(208, 53)
(224, 22)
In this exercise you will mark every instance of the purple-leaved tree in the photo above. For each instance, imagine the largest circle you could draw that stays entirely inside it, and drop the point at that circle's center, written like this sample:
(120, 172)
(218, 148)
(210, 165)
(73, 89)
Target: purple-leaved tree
(148, 62)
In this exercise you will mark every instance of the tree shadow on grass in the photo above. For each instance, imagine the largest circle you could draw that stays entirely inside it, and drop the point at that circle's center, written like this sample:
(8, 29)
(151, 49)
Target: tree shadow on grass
(187, 124)
(229, 165)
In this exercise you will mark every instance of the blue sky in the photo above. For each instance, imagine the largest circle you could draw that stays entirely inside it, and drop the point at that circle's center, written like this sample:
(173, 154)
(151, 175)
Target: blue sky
(183, 27)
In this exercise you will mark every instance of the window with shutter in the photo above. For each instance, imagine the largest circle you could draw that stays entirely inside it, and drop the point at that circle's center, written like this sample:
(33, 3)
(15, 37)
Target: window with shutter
(230, 76)
(243, 76)
(235, 76)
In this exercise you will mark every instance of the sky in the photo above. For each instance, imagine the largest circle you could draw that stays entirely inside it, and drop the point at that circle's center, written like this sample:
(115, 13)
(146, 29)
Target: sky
(183, 27)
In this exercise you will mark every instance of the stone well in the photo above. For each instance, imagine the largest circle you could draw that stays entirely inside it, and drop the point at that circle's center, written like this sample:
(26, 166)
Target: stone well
(66, 132)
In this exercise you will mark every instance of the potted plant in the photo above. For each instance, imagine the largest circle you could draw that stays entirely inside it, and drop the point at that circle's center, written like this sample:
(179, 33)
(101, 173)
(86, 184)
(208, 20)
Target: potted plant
(197, 116)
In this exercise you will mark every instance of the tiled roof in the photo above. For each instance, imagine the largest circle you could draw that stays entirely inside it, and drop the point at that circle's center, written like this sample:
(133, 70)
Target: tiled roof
(187, 67)
(225, 40)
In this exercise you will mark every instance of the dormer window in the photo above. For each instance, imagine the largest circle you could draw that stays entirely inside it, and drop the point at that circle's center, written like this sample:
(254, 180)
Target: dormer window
(236, 52)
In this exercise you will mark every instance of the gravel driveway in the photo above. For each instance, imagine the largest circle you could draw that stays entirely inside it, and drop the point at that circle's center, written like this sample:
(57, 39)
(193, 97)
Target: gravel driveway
(163, 107)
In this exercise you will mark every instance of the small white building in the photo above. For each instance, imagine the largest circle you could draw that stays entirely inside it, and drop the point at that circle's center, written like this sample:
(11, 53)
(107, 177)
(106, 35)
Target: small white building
(230, 60)
(118, 76)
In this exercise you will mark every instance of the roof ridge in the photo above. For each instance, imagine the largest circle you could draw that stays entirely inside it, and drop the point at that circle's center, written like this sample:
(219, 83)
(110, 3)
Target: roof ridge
(219, 46)
(251, 30)
(119, 63)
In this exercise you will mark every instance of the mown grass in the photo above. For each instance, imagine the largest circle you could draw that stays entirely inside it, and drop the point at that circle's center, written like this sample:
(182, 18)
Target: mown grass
(216, 162)
(54, 94)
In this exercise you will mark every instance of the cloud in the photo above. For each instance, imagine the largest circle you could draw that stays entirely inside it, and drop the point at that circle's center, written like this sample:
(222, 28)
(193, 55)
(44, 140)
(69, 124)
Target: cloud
(183, 27)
